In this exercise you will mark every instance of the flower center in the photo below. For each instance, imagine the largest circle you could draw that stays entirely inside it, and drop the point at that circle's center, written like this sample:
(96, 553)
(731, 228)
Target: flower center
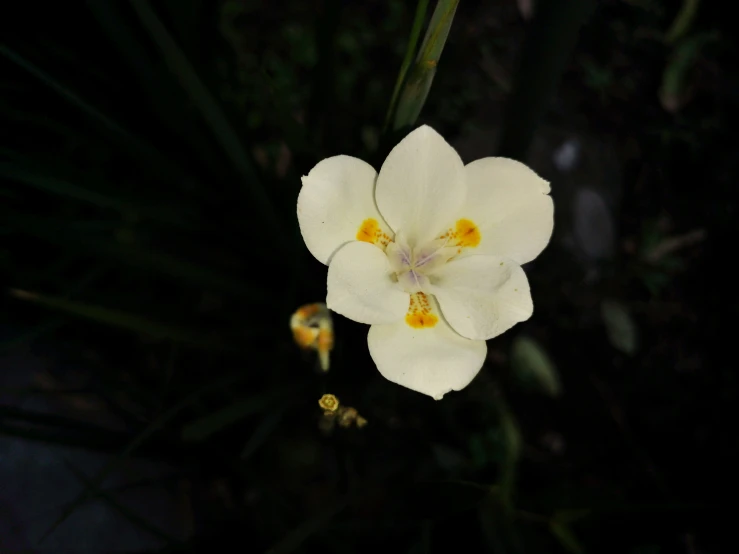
(412, 266)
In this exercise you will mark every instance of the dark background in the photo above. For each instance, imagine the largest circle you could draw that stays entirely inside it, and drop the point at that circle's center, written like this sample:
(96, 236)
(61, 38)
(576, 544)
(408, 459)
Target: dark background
(150, 166)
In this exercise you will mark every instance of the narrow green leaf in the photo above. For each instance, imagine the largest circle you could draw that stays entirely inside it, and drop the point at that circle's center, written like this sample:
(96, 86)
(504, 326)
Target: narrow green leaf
(139, 148)
(674, 90)
(115, 318)
(262, 432)
(136, 443)
(100, 442)
(204, 427)
(418, 83)
(297, 536)
(59, 234)
(13, 415)
(565, 536)
(31, 335)
(211, 111)
(512, 442)
(32, 177)
(410, 52)
(64, 91)
(125, 511)
(168, 103)
(683, 21)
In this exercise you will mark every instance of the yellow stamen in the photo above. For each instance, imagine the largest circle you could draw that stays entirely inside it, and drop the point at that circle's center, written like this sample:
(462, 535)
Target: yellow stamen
(369, 231)
(419, 314)
(467, 233)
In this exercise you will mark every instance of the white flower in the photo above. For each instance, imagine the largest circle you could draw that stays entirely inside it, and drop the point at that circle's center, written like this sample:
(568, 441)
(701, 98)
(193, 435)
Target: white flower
(428, 253)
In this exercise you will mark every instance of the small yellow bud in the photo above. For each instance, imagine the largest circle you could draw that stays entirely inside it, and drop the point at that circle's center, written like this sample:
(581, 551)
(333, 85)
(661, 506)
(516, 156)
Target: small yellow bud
(329, 403)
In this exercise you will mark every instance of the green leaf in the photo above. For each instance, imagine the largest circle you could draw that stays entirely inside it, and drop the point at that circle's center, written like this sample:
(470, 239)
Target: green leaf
(675, 88)
(204, 427)
(683, 21)
(168, 103)
(419, 80)
(262, 432)
(531, 363)
(155, 426)
(53, 184)
(410, 52)
(31, 335)
(211, 111)
(139, 148)
(64, 91)
(620, 327)
(58, 233)
(298, 535)
(116, 318)
(565, 537)
(512, 444)
(122, 509)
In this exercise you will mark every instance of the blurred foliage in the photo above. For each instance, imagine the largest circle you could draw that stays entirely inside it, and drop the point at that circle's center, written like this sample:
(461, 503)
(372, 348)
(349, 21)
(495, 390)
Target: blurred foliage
(150, 164)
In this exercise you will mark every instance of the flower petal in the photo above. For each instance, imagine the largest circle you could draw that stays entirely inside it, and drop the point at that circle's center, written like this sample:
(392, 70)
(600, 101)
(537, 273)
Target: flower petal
(337, 205)
(360, 287)
(420, 186)
(482, 296)
(511, 206)
(432, 360)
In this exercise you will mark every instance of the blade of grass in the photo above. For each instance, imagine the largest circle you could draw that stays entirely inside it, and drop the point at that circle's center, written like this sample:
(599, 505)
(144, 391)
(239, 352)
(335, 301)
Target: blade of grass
(204, 427)
(165, 95)
(410, 53)
(116, 318)
(683, 21)
(512, 444)
(139, 148)
(122, 509)
(211, 111)
(104, 442)
(64, 91)
(13, 415)
(31, 335)
(305, 530)
(139, 257)
(262, 432)
(418, 84)
(32, 177)
(298, 535)
(136, 443)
